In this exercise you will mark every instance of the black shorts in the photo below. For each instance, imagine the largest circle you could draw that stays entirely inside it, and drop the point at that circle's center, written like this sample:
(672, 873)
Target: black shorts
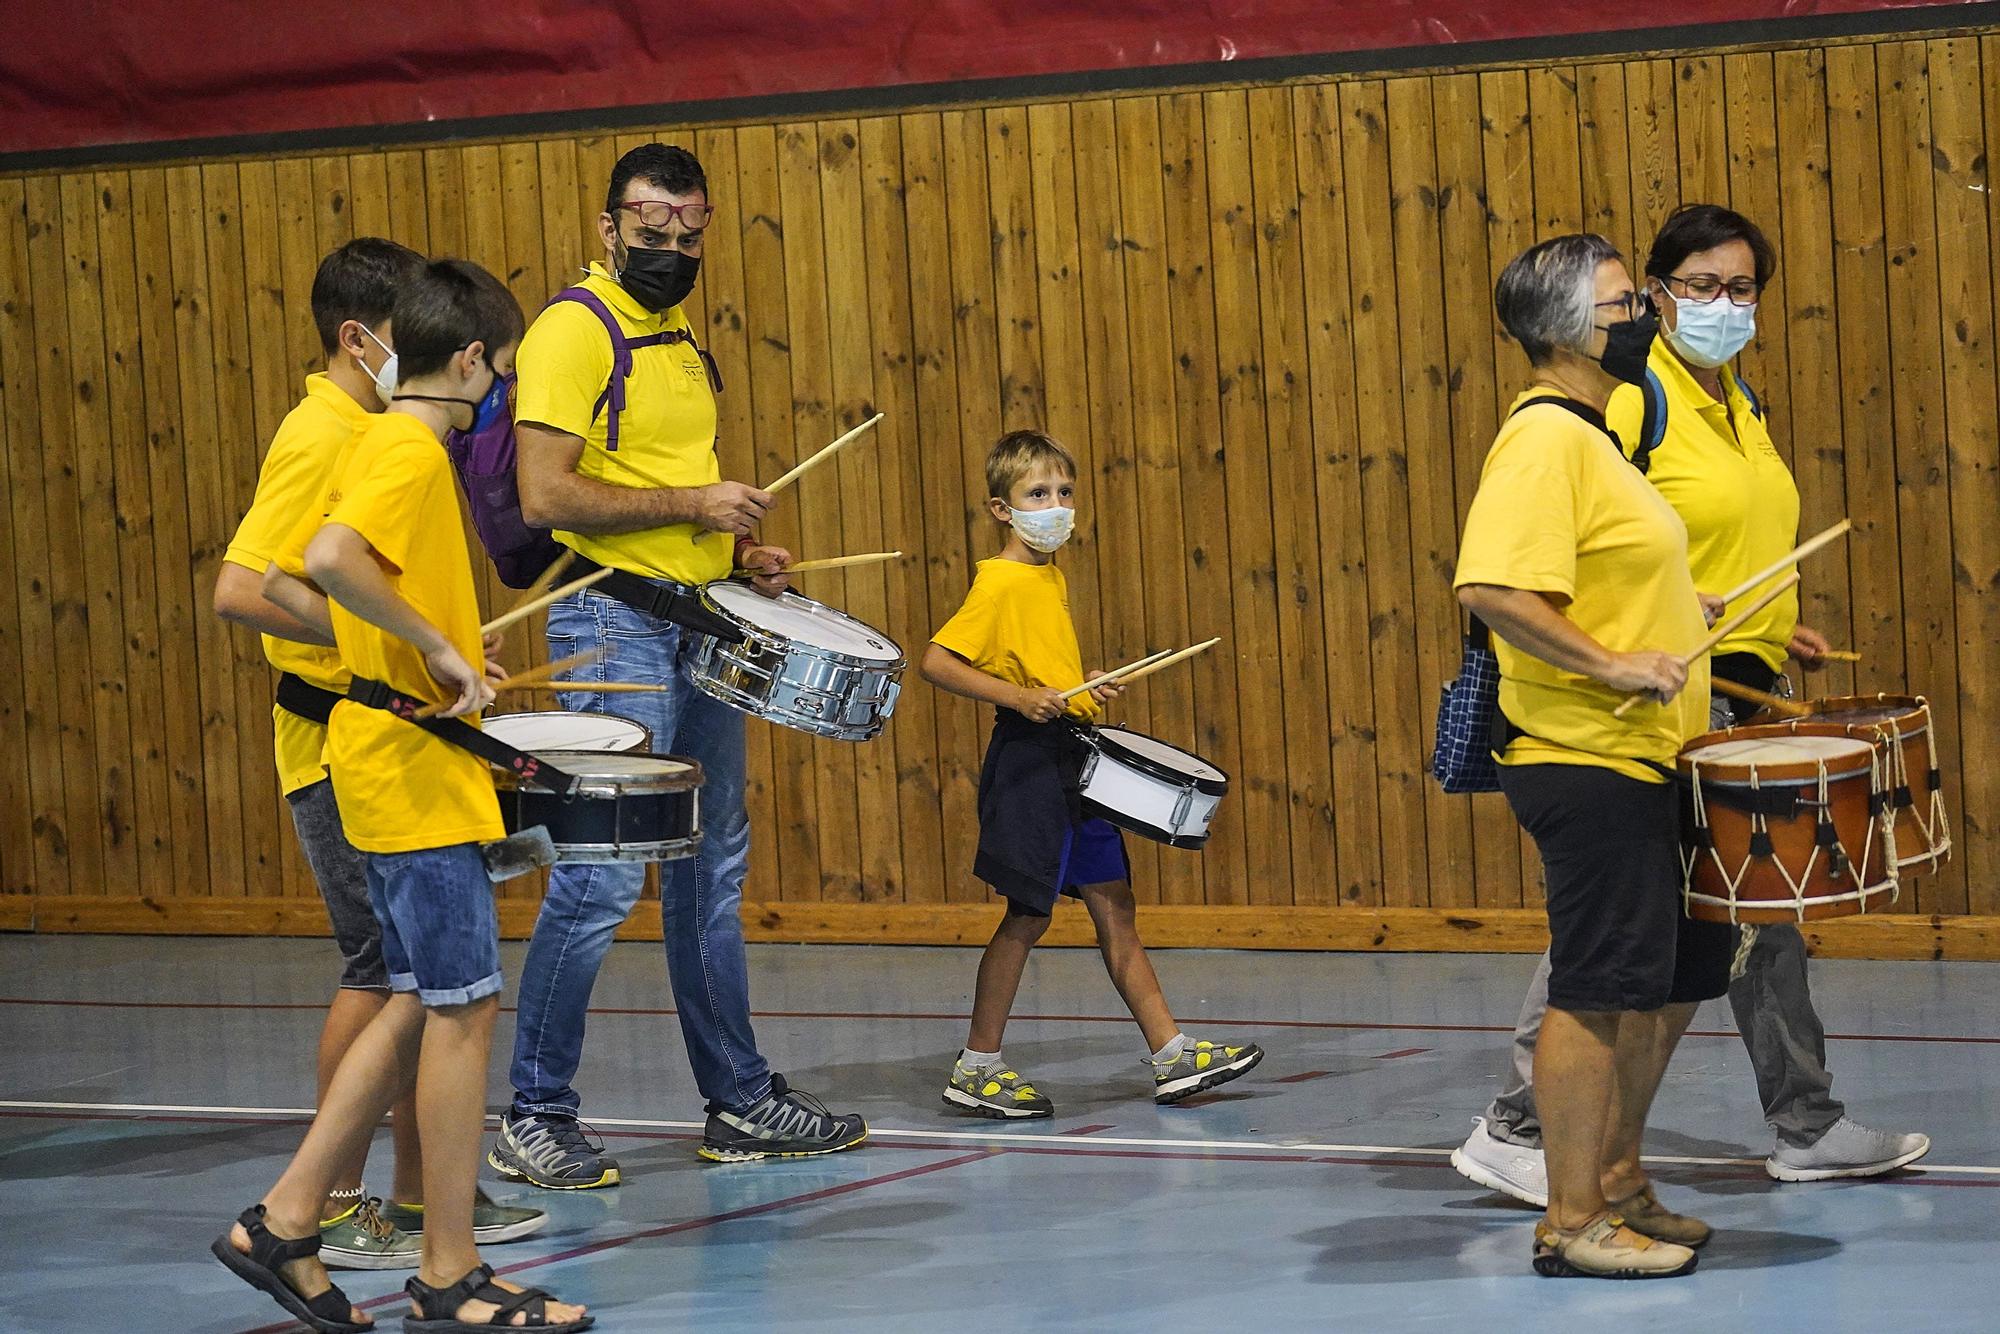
(1610, 847)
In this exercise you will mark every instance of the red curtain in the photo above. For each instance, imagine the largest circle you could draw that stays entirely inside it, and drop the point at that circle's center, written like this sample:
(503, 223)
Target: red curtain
(75, 73)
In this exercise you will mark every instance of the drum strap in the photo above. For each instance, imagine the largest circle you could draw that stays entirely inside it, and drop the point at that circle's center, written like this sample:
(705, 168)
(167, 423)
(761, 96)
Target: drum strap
(529, 769)
(676, 603)
(303, 699)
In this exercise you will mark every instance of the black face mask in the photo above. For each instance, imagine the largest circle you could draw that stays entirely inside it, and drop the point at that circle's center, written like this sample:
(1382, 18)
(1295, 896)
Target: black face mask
(657, 279)
(1626, 344)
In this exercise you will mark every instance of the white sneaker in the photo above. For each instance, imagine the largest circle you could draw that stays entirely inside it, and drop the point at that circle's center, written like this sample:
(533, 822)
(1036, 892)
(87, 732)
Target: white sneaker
(1847, 1149)
(1511, 1169)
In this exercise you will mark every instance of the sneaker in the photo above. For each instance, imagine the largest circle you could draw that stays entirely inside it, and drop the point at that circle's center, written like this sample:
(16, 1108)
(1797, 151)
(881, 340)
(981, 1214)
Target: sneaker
(996, 1092)
(1202, 1066)
(492, 1222)
(552, 1152)
(785, 1124)
(1645, 1215)
(1514, 1170)
(1607, 1249)
(362, 1239)
(1847, 1149)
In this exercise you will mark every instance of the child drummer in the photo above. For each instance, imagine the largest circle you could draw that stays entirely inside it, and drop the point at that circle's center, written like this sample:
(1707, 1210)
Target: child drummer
(1013, 645)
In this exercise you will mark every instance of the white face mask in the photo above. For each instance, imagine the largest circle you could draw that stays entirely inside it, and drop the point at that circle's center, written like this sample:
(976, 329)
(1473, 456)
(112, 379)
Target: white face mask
(1044, 530)
(1709, 333)
(385, 379)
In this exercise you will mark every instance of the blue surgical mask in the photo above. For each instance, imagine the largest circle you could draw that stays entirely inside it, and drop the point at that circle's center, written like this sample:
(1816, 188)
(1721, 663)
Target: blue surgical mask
(1709, 333)
(385, 379)
(1044, 530)
(491, 409)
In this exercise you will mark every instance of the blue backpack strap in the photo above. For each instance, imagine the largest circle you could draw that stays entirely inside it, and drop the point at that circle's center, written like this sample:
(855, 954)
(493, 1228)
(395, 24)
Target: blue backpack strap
(1652, 421)
(1749, 396)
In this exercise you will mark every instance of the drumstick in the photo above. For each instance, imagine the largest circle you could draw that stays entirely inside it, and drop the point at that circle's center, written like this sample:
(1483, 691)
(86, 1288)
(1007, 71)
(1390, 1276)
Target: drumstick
(820, 457)
(1720, 633)
(829, 563)
(1116, 672)
(1841, 655)
(529, 677)
(1804, 549)
(1134, 671)
(535, 604)
(579, 687)
(1775, 703)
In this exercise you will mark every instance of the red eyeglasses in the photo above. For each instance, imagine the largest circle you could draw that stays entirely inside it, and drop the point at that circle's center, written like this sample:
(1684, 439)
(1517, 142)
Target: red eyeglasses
(657, 212)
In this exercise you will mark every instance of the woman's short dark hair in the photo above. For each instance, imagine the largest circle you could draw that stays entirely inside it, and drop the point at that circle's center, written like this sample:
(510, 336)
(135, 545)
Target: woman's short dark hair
(360, 281)
(1693, 228)
(449, 305)
(1547, 294)
(667, 166)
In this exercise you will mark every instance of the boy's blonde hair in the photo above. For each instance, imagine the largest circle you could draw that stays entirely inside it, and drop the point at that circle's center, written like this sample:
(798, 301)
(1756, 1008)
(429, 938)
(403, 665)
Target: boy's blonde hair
(1018, 453)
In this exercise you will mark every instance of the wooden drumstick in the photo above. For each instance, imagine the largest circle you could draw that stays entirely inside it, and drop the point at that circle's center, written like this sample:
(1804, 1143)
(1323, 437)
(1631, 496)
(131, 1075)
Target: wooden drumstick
(580, 687)
(1775, 703)
(1718, 634)
(1841, 655)
(529, 677)
(1116, 672)
(1804, 549)
(1135, 671)
(821, 457)
(829, 563)
(535, 604)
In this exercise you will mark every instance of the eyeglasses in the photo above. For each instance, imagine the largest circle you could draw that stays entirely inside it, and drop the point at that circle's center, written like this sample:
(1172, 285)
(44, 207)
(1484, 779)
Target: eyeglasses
(656, 213)
(1632, 305)
(1702, 288)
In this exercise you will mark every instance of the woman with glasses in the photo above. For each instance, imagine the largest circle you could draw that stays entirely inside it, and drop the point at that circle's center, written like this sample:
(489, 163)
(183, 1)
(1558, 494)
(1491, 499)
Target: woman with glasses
(1716, 465)
(1580, 569)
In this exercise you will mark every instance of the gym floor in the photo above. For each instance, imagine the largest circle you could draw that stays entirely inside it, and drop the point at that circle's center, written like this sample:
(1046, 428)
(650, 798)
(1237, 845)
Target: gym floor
(151, 1088)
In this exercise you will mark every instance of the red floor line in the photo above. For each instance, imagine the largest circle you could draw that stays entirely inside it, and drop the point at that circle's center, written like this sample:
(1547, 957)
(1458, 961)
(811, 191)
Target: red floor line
(929, 1016)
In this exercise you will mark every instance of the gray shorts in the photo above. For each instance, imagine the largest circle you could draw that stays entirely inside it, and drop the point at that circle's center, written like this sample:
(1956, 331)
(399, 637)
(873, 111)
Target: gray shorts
(342, 876)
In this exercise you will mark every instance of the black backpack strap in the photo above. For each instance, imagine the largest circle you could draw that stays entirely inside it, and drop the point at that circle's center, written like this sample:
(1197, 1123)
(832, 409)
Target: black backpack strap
(378, 695)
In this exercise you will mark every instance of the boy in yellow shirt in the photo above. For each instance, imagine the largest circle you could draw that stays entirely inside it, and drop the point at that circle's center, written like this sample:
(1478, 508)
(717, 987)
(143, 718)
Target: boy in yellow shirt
(391, 557)
(1013, 645)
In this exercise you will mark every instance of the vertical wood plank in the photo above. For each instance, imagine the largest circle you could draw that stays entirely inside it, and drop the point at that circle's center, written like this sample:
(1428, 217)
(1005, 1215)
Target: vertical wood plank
(1552, 113)
(1654, 148)
(1754, 191)
(1701, 129)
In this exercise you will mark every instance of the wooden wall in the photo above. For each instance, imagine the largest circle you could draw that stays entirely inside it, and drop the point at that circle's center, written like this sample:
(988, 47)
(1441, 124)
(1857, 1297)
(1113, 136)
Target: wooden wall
(1260, 316)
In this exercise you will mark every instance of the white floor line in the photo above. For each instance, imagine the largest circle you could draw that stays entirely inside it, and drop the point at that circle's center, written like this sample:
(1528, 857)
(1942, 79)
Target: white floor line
(970, 1136)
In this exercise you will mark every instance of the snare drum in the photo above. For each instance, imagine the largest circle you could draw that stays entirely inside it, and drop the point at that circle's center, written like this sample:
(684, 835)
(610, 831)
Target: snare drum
(1901, 726)
(800, 664)
(629, 806)
(1151, 788)
(1784, 826)
(557, 730)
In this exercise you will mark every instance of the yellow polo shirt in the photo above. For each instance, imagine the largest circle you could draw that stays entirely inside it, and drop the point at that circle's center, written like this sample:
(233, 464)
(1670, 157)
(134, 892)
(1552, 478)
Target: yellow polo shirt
(289, 487)
(1559, 511)
(667, 429)
(1717, 467)
(1016, 625)
(401, 789)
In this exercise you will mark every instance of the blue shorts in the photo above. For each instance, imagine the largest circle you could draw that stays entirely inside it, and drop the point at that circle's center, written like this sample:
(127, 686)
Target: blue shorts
(440, 931)
(1093, 854)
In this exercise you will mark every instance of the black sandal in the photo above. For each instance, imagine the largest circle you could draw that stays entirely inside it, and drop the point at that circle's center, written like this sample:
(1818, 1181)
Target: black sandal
(326, 1313)
(437, 1308)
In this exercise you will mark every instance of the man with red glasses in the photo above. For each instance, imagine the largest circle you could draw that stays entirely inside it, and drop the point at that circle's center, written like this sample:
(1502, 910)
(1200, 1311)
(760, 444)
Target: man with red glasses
(630, 480)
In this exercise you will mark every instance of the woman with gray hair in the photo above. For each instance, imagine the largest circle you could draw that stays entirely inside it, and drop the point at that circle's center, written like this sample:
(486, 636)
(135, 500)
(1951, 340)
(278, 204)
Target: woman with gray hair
(1580, 570)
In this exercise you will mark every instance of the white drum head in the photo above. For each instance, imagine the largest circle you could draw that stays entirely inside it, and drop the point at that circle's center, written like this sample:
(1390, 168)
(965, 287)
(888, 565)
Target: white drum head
(596, 764)
(1173, 757)
(804, 621)
(566, 731)
(1782, 750)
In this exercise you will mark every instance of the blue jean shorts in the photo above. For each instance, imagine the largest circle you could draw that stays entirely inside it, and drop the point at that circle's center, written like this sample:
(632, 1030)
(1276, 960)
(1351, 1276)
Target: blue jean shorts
(440, 931)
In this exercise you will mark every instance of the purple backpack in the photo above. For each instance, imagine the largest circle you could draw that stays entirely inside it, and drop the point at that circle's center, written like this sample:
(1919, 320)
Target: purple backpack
(485, 460)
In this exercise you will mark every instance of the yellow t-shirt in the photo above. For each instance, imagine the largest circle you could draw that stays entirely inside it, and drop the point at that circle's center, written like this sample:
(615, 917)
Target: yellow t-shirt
(1730, 487)
(289, 487)
(667, 429)
(1016, 625)
(1559, 511)
(400, 788)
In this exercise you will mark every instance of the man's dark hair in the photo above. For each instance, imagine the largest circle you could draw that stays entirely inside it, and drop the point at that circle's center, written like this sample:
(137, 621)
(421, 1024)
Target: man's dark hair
(1693, 228)
(672, 169)
(449, 304)
(360, 281)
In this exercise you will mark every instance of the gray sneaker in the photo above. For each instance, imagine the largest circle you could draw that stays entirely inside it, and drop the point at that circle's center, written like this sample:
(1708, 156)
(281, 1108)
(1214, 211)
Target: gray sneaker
(1847, 1149)
(785, 1124)
(997, 1092)
(492, 1222)
(1514, 1170)
(362, 1239)
(552, 1152)
(1202, 1066)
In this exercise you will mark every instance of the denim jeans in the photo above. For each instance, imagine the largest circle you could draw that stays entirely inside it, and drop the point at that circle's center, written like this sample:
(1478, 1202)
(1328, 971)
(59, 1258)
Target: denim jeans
(698, 895)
